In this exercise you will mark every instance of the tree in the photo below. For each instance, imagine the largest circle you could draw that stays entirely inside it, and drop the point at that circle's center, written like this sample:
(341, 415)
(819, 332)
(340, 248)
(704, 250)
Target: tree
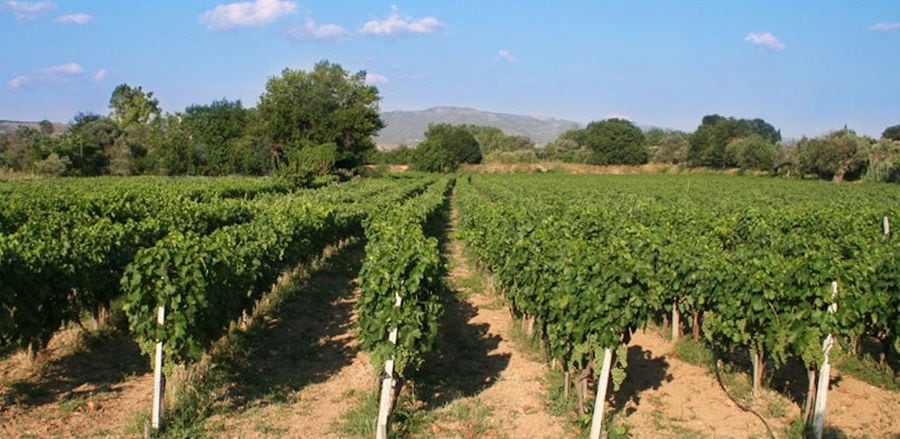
(667, 146)
(615, 142)
(433, 157)
(838, 155)
(445, 148)
(884, 161)
(130, 105)
(492, 139)
(212, 131)
(753, 152)
(891, 133)
(86, 142)
(327, 105)
(709, 141)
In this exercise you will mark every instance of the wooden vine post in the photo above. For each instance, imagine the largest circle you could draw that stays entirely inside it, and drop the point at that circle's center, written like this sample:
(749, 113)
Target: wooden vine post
(388, 383)
(599, 402)
(158, 384)
(824, 371)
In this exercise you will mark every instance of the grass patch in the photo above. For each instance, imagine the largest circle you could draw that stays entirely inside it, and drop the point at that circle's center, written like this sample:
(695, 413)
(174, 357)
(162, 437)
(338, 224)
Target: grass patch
(871, 371)
(359, 422)
(738, 384)
(530, 345)
(693, 352)
(267, 429)
(137, 424)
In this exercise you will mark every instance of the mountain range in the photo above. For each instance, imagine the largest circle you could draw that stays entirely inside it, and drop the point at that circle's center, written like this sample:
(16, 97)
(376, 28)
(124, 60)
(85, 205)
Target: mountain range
(408, 127)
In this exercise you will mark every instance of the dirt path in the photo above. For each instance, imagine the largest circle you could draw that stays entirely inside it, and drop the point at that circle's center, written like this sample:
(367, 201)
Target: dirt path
(304, 368)
(480, 384)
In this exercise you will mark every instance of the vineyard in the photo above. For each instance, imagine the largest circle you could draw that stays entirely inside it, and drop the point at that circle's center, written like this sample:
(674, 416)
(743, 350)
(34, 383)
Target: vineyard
(752, 267)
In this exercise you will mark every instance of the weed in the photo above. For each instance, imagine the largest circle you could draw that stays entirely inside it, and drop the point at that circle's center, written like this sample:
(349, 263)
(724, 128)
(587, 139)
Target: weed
(267, 429)
(359, 422)
(693, 352)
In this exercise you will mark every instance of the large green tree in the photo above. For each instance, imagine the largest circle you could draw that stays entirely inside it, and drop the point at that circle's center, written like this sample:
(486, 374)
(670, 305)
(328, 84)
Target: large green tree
(131, 105)
(326, 105)
(891, 133)
(445, 148)
(709, 142)
(615, 142)
(213, 131)
(839, 155)
(86, 142)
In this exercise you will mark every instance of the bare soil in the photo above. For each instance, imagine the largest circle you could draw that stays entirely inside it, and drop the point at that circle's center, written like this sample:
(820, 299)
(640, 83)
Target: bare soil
(666, 397)
(83, 384)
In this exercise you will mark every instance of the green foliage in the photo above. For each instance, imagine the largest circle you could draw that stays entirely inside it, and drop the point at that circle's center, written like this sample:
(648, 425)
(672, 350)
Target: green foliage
(326, 105)
(709, 142)
(756, 260)
(614, 142)
(492, 139)
(307, 162)
(402, 264)
(53, 165)
(667, 146)
(752, 152)
(891, 133)
(433, 157)
(839, 155)
(85, 142)
(401, 155)
(693, 352)
(211, 132)
(131, 106)
(445, 148)
(884, 162)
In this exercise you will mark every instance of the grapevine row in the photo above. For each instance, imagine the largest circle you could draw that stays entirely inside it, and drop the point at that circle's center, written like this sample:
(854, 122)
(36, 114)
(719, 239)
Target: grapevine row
(756, 276)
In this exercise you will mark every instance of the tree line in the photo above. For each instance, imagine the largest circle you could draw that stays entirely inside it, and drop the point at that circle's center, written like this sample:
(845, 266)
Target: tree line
(309, 124)
(305, 124)
(719, 142)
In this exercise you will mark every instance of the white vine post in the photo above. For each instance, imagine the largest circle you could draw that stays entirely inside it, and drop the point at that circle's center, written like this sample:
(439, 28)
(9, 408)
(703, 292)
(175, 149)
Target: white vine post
(158, 375)
(602, 386)
(824, 371)
(388, 383)
(676, 321)
(887, 226)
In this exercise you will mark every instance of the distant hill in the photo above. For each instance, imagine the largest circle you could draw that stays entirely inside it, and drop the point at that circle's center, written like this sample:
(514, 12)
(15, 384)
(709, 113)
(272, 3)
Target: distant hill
(12, 125)
(408, 127)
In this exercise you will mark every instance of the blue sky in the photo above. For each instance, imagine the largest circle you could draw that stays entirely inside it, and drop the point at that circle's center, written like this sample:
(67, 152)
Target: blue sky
(807, 67)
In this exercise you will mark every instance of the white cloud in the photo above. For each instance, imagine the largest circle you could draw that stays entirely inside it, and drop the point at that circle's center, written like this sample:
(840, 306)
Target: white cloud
(885, 27)
(764, 39)
(375, 78)
(60, 74)
(30, 10)
(505, 55)
(247, 14)
(62, 70)
(396, 24)
(100, 75)
(73, 19)
(18, 81)
(309, 31)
